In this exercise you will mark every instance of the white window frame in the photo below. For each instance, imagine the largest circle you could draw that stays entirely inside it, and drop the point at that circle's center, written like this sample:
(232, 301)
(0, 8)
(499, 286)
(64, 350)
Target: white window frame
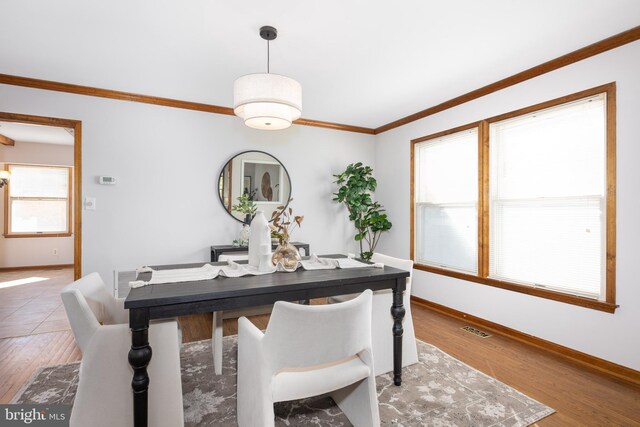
(416, 245)
(8, 201)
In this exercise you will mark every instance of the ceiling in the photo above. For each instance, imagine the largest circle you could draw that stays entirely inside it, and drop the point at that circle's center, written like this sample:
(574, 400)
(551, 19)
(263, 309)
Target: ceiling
(23, 132)
(363, 63)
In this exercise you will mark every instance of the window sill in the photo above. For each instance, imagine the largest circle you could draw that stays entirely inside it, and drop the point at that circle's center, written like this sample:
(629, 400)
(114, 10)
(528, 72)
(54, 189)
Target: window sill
(29, 235)
(608, 307)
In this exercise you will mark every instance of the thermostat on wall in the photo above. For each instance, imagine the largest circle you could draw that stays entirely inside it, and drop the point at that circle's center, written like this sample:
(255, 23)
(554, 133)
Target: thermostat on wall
(107, 180)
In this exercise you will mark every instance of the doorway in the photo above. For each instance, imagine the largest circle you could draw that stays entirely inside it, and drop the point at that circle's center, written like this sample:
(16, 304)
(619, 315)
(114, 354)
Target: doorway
(52, 131)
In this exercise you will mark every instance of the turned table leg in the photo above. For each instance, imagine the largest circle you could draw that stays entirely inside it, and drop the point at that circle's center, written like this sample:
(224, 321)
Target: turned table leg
(397, 311)
(139, 358)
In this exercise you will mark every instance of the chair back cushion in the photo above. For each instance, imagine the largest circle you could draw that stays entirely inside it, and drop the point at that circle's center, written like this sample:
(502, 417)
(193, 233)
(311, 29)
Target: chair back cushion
(88, 304)
(303, 336)
(402, 264)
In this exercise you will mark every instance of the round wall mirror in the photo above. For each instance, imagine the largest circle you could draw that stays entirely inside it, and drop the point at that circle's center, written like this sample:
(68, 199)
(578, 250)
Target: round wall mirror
(259, 175)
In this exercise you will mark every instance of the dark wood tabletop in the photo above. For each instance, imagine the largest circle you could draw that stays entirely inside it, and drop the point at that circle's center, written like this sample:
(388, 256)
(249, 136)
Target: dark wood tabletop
(225, 287)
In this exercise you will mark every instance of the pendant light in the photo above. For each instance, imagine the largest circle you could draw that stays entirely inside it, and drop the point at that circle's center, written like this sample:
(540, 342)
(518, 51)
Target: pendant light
(267, 101)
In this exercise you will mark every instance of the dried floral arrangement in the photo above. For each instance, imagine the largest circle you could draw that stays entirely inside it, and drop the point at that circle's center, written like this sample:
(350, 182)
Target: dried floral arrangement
(284, 222)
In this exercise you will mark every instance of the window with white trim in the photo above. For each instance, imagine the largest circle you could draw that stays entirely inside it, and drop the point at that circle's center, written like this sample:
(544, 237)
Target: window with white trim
(38, 201)
(523, 201)
(547, 198)
(446, 201)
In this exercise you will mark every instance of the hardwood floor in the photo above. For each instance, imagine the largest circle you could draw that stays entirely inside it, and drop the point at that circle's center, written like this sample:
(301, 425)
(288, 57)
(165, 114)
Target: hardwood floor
(581, 397)
(23, 356)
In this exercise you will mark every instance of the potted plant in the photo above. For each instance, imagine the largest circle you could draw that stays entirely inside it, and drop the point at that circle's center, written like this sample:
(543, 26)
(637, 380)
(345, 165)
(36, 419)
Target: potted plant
(283, 223)
(356, 187)
(245, 206)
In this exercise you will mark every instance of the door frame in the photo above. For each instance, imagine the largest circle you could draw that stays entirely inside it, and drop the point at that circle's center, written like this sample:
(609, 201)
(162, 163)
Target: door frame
(76, 125)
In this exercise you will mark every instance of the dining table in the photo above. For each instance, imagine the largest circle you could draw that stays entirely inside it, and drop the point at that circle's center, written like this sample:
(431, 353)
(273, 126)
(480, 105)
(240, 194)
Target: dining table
(167, 300)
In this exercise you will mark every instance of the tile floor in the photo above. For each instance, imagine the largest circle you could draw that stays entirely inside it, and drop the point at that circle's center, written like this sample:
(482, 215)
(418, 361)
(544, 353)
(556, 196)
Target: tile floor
(30, 302)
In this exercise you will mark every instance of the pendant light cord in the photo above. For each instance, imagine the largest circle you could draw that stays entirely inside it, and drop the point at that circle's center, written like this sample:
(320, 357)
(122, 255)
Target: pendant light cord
(268, 57)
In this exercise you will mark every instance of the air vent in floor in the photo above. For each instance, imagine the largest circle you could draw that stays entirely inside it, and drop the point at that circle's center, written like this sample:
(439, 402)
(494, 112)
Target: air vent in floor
(475, 331)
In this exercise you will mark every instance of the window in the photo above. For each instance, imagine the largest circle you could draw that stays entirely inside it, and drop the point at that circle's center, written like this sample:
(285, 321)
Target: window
(447, 201)
(548, 197)
(37, 201)
(544, 220)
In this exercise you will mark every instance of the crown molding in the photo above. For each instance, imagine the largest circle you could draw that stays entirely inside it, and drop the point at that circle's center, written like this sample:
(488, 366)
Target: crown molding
(155, 100)
(602, 46)
(609, 43)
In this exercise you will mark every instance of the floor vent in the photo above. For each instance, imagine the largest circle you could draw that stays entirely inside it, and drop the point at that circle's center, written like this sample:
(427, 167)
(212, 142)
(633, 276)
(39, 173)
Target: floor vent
(475, 331)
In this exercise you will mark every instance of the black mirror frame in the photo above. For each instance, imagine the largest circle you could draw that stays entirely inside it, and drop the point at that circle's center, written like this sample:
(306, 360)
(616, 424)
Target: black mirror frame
(239, 154)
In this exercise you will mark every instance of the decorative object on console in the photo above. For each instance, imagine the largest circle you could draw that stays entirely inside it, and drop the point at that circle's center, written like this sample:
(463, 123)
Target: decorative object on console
(260, 240)
(267, 101)
(357, 185)
(4, 177)
(245, 206)
(285, 254)
(245, 234)
(241, 179)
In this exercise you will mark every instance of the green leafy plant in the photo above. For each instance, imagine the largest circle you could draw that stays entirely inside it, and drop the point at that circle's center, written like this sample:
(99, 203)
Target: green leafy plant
(356, 187)
(245, 206)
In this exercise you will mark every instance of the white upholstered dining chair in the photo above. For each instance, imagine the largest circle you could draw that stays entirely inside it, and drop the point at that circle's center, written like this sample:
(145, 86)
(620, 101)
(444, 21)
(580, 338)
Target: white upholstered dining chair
(308, 351)
(382, 321)
(89, 304)
(103, 398)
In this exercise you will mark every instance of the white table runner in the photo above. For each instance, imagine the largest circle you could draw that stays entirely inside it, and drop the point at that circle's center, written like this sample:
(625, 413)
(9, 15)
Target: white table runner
(233, 269)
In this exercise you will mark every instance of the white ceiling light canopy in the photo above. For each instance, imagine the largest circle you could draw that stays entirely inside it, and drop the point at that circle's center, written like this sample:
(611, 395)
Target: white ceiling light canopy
(267, 101)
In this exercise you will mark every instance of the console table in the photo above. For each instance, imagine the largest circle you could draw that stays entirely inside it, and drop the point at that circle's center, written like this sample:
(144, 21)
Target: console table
(218, 250)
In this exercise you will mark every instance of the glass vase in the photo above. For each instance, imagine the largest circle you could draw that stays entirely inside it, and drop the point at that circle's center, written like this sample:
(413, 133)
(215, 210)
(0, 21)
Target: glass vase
(286, 255)
(245, 233)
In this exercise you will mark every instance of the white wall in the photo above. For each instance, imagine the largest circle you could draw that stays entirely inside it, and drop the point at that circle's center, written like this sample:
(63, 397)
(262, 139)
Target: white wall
(18, 252)
(164, 207)
(613, 337)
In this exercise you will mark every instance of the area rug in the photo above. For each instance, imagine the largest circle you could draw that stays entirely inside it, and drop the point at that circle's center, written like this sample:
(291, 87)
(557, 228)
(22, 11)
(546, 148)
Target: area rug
(438, 391)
